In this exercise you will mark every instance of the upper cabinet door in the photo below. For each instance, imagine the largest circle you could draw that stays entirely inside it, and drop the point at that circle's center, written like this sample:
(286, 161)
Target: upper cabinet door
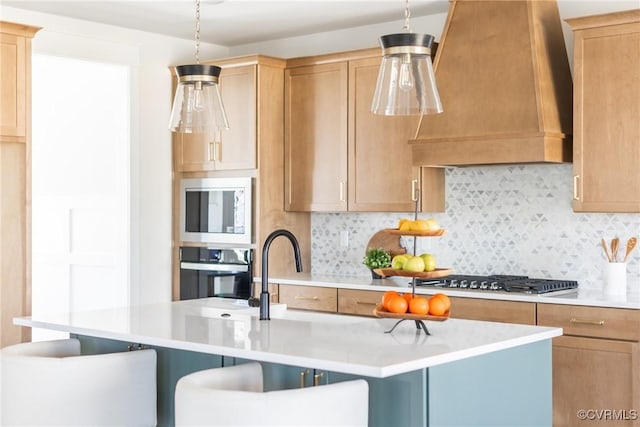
(13, 86)
(607, 113)
(381, 177)
(238, 144)
(316, 138)
(234, 148)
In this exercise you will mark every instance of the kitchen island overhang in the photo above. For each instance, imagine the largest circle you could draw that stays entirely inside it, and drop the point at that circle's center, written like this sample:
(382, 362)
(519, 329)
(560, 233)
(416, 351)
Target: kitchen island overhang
(348, 344)
(414, 379)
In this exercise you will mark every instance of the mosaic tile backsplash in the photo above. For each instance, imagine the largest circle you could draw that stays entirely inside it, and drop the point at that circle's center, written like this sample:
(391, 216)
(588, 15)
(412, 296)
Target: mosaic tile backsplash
(514, 219)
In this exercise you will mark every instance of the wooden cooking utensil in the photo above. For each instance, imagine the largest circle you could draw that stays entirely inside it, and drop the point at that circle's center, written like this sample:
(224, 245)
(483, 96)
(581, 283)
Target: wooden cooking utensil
(631, 243)
(386, 241)
(606, 250)
(615, 242)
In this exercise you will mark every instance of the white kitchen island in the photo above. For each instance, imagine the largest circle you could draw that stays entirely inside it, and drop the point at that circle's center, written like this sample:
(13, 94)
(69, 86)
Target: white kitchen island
(464, 373)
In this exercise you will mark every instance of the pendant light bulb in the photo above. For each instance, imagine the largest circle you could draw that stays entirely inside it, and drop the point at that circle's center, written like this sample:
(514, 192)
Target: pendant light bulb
(405, 80)
(198, 98)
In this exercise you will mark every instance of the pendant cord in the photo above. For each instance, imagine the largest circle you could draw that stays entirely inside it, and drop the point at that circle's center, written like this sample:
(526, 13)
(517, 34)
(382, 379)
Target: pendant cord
(407, 15)
(197, 31)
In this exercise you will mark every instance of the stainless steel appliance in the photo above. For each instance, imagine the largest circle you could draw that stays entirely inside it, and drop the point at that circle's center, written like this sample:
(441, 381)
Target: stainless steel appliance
(211, 272)
(506, 283)
(216, 210)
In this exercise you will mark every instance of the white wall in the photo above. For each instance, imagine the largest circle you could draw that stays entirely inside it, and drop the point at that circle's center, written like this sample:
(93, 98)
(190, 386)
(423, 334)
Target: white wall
(367, 36)
(149, 57)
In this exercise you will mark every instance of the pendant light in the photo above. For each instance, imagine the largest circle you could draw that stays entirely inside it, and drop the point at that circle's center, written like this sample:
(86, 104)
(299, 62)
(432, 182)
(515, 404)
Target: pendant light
(406, 82)
(197, 105)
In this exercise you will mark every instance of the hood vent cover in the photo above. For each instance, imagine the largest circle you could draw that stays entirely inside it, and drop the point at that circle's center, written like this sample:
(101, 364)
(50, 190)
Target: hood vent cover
(504, 79)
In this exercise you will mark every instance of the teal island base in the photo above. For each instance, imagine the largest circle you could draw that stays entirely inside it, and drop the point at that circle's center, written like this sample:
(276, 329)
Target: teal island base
(508, 388)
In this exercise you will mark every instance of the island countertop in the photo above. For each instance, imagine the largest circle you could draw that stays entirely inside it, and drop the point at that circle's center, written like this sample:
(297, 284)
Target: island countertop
(340, 343)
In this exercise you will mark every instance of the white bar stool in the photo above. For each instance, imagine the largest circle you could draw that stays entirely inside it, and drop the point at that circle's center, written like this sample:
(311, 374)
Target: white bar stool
(233, 396)
(50, 383)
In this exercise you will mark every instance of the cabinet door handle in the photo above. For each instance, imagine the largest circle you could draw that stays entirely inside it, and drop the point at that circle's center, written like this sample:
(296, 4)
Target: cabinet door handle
(414, 190)
(366, 303)
(576, 196)
(587, 322)
(316, 379)
(218, 151)
(211, 155)
(300, 297)
(342, 191)
(303, 377)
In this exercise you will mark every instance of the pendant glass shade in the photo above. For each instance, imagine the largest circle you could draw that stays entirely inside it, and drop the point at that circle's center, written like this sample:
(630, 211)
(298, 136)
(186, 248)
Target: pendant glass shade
(406, 82)
(197, 105)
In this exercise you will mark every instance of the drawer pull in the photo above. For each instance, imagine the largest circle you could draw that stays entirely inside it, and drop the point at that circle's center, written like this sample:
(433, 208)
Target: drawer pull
(316, 379)
(366, 303)
(298, 297)
(587, 322)
(303, 377)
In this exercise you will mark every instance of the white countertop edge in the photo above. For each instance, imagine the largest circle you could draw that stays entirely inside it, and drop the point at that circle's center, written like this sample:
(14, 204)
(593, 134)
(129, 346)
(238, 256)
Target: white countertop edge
(583, 297)
(476, 351)
(359, 369)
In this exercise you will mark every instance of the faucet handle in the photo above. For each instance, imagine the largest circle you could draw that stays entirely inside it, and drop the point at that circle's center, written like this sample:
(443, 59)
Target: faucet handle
(253, 302)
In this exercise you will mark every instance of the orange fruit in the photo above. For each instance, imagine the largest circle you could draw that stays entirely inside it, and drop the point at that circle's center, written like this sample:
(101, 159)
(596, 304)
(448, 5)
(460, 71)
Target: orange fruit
(407, 296)
(445, 298)
(437, 306)
(386, 297)
(419, 305)
(397, 304)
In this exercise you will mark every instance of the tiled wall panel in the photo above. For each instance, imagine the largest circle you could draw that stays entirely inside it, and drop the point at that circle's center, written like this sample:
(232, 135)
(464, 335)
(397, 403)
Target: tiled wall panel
(499, 220)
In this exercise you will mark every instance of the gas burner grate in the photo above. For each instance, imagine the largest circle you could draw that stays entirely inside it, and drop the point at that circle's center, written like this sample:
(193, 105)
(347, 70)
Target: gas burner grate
(500, 282)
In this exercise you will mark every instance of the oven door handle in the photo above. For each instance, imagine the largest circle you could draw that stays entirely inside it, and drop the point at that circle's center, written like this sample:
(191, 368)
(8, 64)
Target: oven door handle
(214, 267)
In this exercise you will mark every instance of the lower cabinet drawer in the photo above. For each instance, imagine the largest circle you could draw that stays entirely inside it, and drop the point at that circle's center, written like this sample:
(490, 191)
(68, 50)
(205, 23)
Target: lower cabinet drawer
(309, 297)
(362, 303)
(493, 310)
(599, 322)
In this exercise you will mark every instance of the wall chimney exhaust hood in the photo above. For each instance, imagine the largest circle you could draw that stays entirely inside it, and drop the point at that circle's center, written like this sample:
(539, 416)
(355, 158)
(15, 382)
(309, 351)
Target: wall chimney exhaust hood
(504, 80)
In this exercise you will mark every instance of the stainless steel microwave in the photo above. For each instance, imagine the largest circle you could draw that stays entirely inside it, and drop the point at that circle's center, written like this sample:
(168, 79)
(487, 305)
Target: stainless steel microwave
(216, 210)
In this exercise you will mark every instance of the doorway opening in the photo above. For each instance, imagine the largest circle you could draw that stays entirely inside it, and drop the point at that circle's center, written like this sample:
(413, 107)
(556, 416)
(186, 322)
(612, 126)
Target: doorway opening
(80, 186)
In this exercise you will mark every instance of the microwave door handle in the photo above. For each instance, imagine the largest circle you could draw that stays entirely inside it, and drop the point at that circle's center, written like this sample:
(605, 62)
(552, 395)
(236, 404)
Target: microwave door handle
(232, 268)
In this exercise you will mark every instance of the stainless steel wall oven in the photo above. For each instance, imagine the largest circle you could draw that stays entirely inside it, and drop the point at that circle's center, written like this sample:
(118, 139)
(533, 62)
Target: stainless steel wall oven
(212, 272)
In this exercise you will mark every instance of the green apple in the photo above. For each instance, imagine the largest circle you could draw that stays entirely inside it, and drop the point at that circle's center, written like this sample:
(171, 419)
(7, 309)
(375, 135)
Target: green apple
(415, 264)
(398, 261)
(429, 262)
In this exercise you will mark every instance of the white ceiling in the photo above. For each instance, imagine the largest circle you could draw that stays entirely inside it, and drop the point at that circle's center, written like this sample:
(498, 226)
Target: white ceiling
(234, 22)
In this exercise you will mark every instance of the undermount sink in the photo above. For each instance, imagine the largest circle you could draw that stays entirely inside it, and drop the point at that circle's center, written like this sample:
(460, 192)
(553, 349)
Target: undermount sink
(231, 309)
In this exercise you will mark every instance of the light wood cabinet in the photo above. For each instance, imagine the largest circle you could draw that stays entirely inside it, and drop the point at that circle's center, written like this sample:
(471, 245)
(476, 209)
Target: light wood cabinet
(258, 84)
(606, 148)
(13, 86)
(493, 310)
(15, 179)
(274, 297)
(596, 364)
(340, 156)
(234, 148)
(309, 297)
(361, 303)
(316, 137)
